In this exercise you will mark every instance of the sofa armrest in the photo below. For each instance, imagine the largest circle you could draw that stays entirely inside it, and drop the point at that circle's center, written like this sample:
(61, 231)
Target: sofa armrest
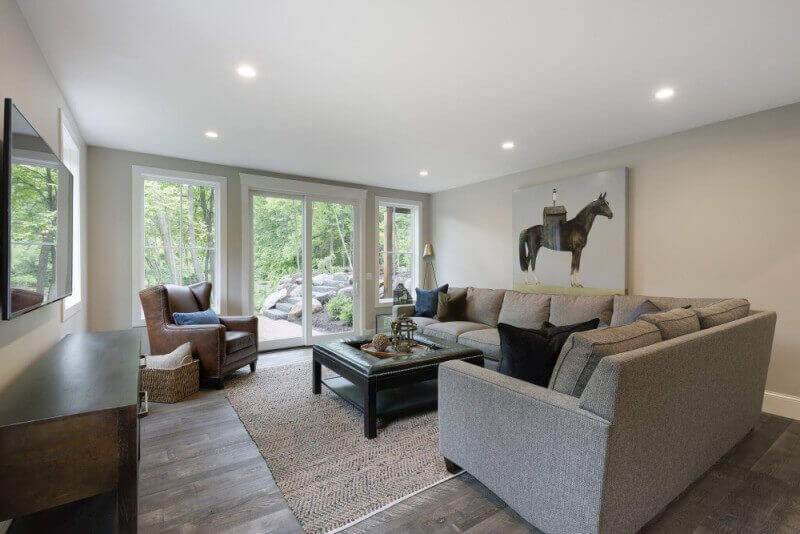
(241, 323)
(403, 309)
(536, 448)
(208, 344)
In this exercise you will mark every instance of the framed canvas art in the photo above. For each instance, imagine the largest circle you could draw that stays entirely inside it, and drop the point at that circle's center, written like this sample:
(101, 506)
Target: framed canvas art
(571, 235)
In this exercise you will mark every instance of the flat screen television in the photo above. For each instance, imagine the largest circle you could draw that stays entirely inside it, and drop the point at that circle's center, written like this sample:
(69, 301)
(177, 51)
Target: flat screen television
(36, 225)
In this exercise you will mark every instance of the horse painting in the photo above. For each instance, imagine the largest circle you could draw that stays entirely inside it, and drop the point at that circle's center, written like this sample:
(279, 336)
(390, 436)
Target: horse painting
(571, 235)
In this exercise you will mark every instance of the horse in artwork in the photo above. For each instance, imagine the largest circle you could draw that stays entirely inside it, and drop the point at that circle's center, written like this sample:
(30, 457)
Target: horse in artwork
(571, 235)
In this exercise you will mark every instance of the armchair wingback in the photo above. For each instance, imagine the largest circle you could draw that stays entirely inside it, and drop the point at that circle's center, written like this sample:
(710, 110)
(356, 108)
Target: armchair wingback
(221, 348)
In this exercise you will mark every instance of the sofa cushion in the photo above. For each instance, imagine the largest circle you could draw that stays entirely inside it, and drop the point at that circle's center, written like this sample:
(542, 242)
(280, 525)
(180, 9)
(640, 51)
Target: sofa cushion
(624, 305)
(451, 307)
(451, 330)
(237, 340)
(722, 312)
(486, 340)
(422, 322)
(674, 323)
(584, 350)
(530, 354)
(572, 309)
(524, 310)
(483, 305)
(428, 301)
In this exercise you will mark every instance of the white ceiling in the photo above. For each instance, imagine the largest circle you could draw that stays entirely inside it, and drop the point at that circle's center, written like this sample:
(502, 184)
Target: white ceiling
(372, 91)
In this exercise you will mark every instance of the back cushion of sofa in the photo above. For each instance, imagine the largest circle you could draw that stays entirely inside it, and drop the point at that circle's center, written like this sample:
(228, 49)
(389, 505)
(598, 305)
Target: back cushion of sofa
(483, 305)
(722, 312)
(525, 310)
(674, 323)
(572, 309)
(624, 305)
(584, 350)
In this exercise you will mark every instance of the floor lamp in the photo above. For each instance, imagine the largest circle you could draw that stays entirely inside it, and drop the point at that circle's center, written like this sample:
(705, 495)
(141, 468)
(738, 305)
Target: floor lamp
(430, 268)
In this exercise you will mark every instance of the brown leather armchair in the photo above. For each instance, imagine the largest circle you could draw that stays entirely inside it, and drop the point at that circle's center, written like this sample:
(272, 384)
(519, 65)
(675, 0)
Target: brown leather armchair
(221, 348)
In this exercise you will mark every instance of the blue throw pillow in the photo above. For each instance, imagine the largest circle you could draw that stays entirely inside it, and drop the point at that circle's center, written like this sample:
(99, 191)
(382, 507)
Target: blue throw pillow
(428, 301)
(208, 316)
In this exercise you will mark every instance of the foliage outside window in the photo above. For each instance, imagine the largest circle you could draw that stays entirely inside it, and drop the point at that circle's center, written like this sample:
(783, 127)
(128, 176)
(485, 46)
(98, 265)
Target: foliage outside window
(179, 233)
(397, 261)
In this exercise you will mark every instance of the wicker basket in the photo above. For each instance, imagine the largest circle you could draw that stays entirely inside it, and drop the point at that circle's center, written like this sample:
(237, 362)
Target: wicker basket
(171, 385)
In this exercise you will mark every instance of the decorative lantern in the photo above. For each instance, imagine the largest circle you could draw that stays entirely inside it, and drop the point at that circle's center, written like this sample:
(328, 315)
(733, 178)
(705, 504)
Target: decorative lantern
(400, 295)
(403, 329)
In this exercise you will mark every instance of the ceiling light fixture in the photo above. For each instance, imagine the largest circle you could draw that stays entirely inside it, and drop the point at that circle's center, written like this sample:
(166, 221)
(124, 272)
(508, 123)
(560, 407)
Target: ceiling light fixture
(246, 71)
(508, 145)
(423, 172)
(665, 93)
(211, 134)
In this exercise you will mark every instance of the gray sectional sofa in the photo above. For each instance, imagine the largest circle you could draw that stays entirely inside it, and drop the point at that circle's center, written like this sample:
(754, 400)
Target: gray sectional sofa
(633, 414)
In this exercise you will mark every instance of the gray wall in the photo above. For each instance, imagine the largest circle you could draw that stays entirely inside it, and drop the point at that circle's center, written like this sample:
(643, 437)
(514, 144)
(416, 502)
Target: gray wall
(713, 211)
(26, 78)
(110, 233)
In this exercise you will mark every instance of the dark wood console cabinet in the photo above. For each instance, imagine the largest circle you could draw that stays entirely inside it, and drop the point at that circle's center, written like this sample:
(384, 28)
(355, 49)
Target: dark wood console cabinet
(69, 428)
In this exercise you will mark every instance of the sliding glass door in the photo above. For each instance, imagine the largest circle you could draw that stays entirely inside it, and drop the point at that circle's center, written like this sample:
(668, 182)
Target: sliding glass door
(299, 303)
(332, 288)
(276, 224)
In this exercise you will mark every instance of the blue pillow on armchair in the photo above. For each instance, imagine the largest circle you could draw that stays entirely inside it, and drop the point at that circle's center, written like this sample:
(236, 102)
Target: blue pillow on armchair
(208, 316)
(428, 301)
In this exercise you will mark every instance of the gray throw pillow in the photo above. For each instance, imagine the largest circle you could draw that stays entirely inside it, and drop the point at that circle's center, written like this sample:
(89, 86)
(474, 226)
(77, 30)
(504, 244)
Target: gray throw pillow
(583, 351)
(645, 307)
(674, 323)
(723, 312)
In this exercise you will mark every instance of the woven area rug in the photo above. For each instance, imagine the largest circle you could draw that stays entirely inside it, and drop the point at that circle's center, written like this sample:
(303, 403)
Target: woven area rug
(329, 473)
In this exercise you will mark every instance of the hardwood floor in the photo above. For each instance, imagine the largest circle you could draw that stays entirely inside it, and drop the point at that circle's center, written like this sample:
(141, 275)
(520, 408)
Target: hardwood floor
(200, 471)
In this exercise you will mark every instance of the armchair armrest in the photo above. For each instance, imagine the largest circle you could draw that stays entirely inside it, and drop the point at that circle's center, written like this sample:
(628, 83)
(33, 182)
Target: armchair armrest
(208, 344)
(403, 309)
(241, 323)
(536, 448)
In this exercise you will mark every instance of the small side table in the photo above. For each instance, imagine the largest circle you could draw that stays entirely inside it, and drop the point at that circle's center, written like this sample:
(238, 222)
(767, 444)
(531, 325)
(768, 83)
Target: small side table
(383, 322)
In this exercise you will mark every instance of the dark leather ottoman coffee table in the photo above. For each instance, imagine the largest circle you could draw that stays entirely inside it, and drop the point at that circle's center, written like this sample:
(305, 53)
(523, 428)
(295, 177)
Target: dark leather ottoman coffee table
(385, 386)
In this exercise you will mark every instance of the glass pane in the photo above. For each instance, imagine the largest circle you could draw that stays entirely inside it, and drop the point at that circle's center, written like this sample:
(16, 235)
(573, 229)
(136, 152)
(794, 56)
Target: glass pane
(277, 233)
(395, 250)
(179, 233)
(332, 267)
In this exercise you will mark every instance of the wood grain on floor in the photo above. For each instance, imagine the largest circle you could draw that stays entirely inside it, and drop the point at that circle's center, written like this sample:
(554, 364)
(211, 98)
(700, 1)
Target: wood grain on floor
(200, 471)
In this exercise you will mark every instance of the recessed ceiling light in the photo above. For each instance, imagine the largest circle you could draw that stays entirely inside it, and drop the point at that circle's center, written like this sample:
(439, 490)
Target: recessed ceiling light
(423, 172)
(246, 71)
(212, 134)
(665, 93)
(508, 145)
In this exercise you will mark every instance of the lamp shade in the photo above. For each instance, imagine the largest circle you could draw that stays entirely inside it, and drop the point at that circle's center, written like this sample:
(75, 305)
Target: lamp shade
(428, 254)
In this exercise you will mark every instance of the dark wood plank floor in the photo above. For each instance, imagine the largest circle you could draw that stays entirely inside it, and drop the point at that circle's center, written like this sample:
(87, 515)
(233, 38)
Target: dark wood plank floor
(201, 471)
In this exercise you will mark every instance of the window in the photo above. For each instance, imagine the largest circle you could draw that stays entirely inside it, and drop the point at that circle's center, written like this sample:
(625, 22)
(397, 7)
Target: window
(71, 156)
(177, 228)
(398, 247)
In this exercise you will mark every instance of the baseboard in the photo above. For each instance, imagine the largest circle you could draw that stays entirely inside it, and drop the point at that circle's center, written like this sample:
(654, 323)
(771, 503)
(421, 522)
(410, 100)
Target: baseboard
(781, 404)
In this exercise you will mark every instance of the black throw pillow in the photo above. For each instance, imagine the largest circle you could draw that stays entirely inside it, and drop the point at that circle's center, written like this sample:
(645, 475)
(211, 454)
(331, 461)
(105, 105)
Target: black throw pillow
(428, 301)
(531, 354)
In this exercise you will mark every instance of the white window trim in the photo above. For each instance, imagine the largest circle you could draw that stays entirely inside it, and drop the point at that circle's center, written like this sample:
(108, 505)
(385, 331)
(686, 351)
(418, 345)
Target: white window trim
(416, 246)
(220, 283)
(73, 303)
(313, 191)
